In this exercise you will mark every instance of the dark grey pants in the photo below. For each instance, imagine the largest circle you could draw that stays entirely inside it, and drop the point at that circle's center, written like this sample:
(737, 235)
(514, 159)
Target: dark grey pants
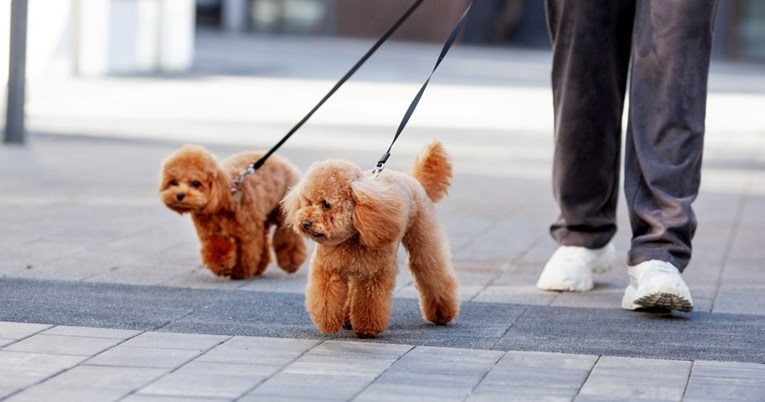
(666, 44)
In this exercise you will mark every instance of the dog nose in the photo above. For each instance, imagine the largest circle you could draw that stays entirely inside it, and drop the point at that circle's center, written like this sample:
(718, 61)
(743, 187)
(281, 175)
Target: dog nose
(180, 196)
(307, 225)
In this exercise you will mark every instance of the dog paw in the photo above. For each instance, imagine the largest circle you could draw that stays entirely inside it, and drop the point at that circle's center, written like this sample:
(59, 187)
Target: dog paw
(441, 314)
(366, 335)
(291, 259)
(241, 273)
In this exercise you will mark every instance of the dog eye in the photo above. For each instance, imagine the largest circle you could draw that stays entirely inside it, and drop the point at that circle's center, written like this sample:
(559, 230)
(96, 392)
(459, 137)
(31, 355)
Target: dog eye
(173, 182)
(196, 184)
(326, 204)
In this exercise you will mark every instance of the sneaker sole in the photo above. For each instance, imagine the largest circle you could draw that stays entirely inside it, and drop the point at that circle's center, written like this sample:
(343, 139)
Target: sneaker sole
(665, 300)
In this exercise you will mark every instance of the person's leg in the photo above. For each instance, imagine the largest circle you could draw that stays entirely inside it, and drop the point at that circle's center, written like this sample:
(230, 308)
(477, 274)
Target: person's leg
(591, 49)
(670, 66)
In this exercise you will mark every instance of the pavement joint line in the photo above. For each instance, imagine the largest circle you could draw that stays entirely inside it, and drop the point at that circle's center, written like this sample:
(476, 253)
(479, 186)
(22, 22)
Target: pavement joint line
(587, 377)
(170, 371)
(361, 391)
(729, 246)
(688, 379)
(486, 373)
(277, 372)
(505, 332)
(15, 341)
(20, 390)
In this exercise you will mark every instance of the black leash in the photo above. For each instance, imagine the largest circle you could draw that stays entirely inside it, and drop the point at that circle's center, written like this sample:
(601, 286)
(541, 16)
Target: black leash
(255, 166)
(452, 37)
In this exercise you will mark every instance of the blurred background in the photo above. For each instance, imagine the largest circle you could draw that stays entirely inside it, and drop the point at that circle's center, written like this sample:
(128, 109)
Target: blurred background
(101, 37)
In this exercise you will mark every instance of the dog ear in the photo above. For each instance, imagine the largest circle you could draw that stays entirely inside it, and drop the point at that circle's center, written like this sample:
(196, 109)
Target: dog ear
(378, 214)
(220, 191)
(290, 204)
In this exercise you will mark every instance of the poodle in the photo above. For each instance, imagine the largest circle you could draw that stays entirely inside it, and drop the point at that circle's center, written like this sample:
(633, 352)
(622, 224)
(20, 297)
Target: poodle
(234, 232)
(358, 223)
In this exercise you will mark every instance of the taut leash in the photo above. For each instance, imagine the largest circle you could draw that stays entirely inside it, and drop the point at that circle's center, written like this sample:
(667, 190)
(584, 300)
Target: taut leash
(452, 37)
(255, 166)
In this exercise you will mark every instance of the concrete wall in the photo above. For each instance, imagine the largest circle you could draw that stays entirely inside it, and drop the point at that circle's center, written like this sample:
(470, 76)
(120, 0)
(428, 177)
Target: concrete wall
(101, 37)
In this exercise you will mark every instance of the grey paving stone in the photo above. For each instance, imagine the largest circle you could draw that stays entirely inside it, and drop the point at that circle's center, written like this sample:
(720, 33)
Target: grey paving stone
(196, 276)
(426, 373)
(530, 376)
(63, 344)
(125, 356)
(514, 294)
(625, 378)
(169, 340)
(616, 332)
(347, 358)
(210, 380)
(5, 392)
(277, 280)
(167, 398)
(134, 274)
(309, 387)
(84, 394)
(67, 330)
(19, 330)
(717, 381)
(340, 369)
(741, 299)
(90, 383)
(602, 296)
(72, 303)
(19, 370)
(270, 352)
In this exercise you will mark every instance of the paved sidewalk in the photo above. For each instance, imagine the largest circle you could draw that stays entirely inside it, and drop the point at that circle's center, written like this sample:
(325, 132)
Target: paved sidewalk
(102, 296)
(84, 364)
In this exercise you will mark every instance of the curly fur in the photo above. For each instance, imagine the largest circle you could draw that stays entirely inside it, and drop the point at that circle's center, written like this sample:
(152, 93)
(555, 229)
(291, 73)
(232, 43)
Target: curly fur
(358, 224)
(234, 235)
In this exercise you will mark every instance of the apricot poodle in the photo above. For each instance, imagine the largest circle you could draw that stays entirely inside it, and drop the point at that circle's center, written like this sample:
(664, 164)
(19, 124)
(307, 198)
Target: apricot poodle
(358, 224)
(234, 233)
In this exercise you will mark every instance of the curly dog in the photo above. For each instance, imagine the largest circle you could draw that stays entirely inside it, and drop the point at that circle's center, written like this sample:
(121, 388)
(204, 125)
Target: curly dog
(358, 224)
(234, 234)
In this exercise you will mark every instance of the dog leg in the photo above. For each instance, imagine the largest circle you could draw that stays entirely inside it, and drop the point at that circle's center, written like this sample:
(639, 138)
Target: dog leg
(219, 254)
(290, 249)
(348, 303)
(372, 303)
(325, 299)
(255, 255)
(430, 263)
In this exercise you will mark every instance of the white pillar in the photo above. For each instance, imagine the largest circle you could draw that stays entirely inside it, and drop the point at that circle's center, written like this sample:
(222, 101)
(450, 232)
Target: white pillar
(177, 35)
(92, 27)
(5, 40)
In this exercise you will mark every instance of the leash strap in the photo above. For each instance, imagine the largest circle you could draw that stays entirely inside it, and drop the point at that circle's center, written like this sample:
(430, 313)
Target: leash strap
(255, 166)
(452, 37)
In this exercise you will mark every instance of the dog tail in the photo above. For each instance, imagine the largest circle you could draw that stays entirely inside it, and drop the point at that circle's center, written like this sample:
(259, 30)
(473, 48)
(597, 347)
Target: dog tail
(433, 169)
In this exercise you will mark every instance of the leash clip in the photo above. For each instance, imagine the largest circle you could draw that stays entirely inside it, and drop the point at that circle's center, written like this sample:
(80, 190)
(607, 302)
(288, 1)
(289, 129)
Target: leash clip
(380, 165)
(377, 170)
(239, 180)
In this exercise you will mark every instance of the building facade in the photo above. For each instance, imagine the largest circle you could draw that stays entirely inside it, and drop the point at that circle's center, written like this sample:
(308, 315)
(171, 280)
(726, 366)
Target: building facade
(740, 33)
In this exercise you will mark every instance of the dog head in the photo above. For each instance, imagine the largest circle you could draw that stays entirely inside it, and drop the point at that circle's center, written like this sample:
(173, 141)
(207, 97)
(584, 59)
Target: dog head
(335, 201)
(193, 181)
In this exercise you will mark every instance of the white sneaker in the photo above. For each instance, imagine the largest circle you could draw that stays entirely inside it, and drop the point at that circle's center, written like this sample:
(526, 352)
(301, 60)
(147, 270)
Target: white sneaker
(570, 268)
(657, 284)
